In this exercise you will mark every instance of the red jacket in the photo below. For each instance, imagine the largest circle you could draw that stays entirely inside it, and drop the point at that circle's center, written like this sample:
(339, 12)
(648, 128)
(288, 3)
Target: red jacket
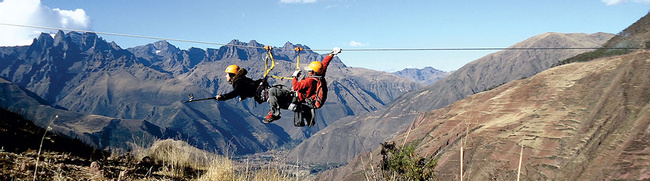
(307, 86)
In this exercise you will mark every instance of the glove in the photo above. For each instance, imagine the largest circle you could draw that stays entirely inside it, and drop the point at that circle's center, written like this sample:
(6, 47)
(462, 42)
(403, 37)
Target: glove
(296, 73)
(336, 51)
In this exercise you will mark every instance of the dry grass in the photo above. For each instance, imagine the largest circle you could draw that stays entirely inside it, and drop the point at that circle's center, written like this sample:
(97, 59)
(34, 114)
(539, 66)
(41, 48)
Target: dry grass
(166, 160)
(182, 161)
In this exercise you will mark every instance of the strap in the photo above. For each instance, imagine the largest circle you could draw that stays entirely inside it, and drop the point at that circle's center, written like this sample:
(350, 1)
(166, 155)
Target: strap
(280, 77)
(269, 55)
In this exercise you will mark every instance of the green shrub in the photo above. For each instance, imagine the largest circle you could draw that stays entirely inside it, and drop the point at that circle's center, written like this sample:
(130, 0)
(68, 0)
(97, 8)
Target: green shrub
(402, 163)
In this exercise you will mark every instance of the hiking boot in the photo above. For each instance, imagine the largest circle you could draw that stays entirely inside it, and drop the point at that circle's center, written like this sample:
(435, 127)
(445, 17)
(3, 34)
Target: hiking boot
(270, 118)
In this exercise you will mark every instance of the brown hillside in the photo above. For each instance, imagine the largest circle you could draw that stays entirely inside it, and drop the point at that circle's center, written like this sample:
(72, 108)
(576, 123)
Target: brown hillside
(582, 121)
(349, 136)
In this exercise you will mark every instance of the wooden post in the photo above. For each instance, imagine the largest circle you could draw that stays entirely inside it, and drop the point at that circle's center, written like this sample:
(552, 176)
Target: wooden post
(461, 163)
(521, 153)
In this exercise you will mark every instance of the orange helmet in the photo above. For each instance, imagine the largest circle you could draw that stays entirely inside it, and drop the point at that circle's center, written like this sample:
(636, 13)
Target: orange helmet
(232, 69)
(315, 66)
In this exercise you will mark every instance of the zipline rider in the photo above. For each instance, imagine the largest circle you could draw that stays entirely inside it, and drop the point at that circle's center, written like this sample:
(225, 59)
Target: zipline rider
(303, 88)
(242, 86)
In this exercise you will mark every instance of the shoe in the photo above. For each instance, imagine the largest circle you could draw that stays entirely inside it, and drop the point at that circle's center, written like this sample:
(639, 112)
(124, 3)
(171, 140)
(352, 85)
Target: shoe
(270, 118)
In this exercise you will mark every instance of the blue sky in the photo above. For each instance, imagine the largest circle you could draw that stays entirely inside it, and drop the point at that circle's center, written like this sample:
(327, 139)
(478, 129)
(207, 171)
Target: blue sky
(324, 24)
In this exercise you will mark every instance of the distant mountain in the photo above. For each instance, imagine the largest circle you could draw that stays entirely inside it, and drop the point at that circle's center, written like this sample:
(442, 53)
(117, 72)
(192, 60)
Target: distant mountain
(349, 136)
(95, 130)
(425, 76)
(85, 75)
(582, 121)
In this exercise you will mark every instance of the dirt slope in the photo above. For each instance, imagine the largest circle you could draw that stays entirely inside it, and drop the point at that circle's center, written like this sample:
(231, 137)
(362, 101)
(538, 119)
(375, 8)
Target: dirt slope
(582, 121)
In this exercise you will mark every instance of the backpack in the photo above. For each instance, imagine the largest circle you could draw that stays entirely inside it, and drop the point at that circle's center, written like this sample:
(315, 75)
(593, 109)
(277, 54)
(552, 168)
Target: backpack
(317, 100)
(261, 93)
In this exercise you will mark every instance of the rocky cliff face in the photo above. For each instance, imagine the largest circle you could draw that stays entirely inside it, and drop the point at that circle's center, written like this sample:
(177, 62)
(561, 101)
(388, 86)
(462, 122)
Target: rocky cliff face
(84, 74)
(582, 121)
(351, 135)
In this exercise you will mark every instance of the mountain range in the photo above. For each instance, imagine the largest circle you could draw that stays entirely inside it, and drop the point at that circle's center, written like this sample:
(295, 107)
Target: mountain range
(104, 87)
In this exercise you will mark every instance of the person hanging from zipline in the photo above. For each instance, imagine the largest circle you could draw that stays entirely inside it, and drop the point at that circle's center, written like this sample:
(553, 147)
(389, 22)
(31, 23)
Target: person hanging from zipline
(304, 89)
(242, 86)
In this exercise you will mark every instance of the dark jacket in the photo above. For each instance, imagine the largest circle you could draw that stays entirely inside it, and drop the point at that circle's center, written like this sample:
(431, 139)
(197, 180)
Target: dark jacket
(242, 86)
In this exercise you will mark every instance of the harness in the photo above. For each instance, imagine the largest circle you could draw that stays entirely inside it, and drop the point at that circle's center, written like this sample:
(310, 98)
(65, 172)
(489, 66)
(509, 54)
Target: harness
(304, 111)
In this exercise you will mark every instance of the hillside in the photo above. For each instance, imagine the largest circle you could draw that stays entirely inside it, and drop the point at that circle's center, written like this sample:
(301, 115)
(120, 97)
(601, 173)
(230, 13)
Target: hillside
(582, 121)
(350, 136)
(94, 130)
(19, 135)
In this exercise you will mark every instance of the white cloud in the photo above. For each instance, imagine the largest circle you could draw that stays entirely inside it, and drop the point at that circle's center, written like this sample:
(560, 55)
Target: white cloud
(297, 1)
(617, 2)
(33, 13)
(357, 44)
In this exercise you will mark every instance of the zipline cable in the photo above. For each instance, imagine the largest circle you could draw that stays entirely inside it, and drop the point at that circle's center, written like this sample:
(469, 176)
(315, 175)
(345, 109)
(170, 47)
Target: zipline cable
(316, 50)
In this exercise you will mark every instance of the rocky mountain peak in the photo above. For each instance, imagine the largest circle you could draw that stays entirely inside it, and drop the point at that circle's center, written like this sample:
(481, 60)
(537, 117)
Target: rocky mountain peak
(254, 43)
(43, 40)
(164, 46)
(237, 43)
(288, 46)
(59, 38)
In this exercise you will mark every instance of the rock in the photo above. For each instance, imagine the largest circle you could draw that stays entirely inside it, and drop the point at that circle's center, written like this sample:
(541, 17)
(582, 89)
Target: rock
(96, 168)
(22, 166)
(124, 175)
(61, 167)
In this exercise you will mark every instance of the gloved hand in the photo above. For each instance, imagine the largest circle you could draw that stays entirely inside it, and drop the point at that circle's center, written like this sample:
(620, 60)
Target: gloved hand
(296, 73)
(336, 51)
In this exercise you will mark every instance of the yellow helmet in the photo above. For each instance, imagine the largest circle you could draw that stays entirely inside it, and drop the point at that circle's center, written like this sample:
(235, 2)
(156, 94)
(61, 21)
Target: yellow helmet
(232, 69)
(315, 66)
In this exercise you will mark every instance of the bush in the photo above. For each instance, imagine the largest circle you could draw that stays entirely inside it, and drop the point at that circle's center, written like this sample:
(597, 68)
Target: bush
(599, 53)
(403, 164)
